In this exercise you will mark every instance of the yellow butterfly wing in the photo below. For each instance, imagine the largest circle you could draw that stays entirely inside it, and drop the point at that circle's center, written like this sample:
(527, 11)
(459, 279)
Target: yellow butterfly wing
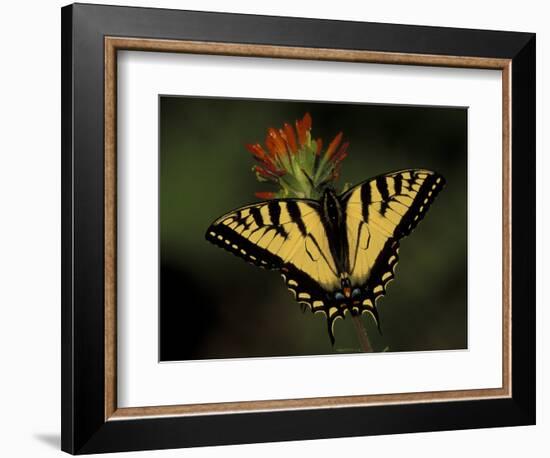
(287, 235)
(379, 212)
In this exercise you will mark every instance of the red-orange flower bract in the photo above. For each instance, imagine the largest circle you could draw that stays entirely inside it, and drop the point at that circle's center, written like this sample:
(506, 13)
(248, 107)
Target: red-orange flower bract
(294, 162)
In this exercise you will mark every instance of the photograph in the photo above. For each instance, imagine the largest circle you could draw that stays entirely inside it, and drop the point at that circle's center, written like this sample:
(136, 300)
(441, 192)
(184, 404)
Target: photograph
(299, 228)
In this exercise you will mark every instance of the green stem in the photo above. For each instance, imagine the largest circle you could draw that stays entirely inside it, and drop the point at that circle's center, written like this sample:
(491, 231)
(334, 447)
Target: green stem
(362, 335)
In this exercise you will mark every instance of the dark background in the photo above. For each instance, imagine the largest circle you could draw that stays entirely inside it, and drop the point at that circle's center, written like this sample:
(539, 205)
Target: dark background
(214, 305)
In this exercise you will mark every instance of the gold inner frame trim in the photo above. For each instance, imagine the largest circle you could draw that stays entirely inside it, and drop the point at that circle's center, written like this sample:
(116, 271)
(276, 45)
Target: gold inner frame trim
(114, 44)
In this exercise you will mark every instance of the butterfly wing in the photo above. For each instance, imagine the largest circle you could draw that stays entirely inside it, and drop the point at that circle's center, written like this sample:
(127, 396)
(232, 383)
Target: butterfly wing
(379, 212)
(286, 235)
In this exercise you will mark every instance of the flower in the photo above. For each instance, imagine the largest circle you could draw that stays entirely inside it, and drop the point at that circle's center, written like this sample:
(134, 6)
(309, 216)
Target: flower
(295, 163)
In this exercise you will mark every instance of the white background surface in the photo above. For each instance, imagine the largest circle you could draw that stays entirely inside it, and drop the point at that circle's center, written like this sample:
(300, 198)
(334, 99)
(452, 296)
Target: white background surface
(30, 228)
(142, 381)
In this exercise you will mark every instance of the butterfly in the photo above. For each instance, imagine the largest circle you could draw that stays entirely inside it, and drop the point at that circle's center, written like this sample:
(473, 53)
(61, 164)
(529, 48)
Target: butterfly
(336, 254)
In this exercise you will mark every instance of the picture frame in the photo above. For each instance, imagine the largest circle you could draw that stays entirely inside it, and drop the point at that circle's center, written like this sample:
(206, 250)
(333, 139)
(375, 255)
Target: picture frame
(92, 421)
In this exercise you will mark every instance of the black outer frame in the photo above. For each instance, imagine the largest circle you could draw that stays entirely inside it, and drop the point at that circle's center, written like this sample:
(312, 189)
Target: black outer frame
(84, 429)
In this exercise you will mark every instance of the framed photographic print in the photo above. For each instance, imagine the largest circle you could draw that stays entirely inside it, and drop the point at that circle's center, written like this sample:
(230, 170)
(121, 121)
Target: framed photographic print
(281, 228)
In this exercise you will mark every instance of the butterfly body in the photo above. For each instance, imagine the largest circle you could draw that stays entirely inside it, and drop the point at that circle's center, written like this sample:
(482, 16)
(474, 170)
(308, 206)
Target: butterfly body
(338, 253)
(333, 218)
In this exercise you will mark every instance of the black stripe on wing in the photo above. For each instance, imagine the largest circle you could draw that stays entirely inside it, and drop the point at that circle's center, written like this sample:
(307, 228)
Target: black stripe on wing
(429, 189)
(229, 240)
(382, 186)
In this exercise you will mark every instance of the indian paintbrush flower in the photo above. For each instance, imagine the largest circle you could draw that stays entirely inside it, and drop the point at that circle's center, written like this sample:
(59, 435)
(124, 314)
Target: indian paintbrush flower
(296, 163)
